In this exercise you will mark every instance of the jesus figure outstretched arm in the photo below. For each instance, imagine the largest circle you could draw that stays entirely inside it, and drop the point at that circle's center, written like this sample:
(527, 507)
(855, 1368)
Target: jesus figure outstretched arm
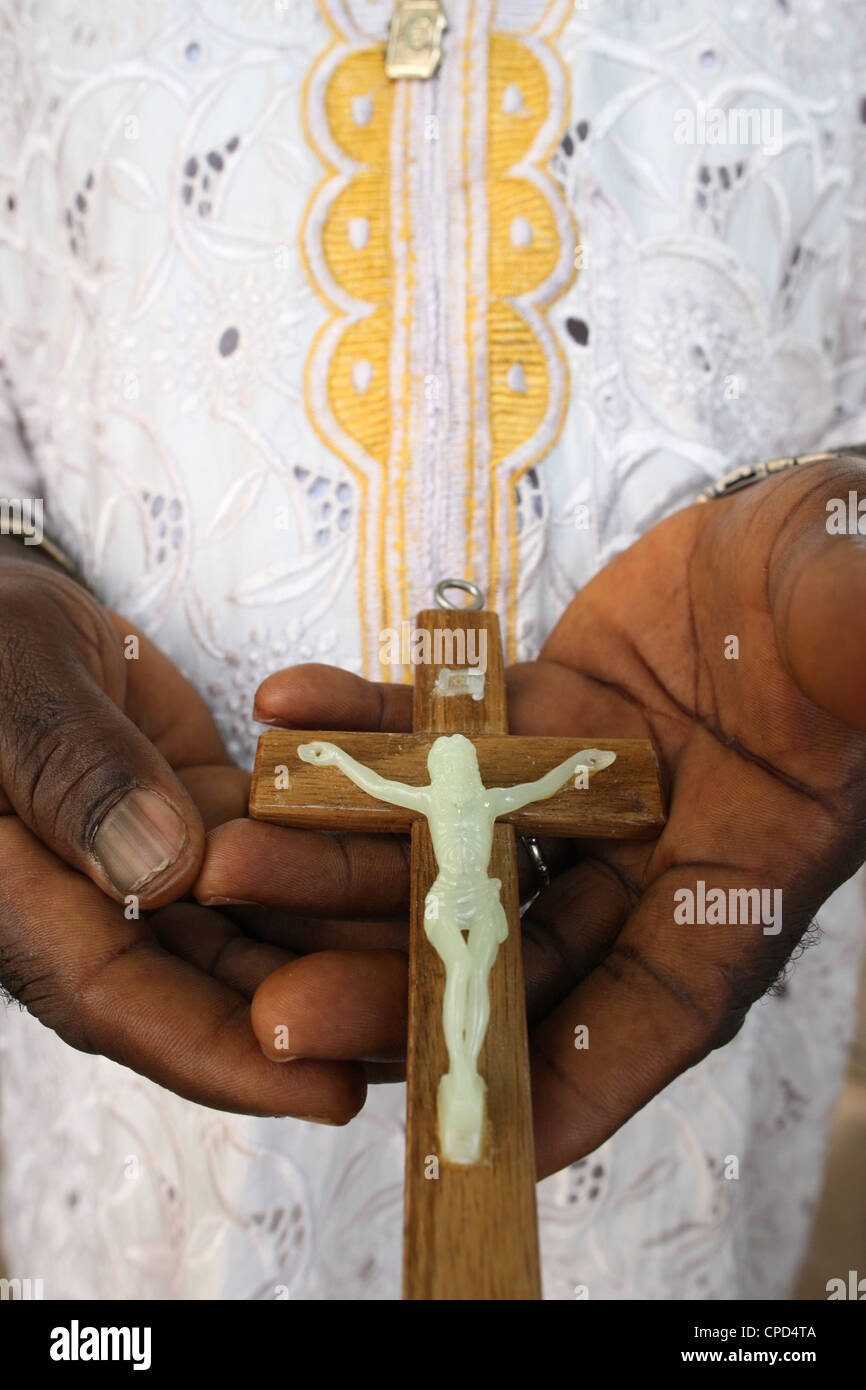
(504, 799)
(383, 788)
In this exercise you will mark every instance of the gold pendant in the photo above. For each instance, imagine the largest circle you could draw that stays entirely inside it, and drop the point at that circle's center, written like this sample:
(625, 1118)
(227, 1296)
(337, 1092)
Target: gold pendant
(415, 38)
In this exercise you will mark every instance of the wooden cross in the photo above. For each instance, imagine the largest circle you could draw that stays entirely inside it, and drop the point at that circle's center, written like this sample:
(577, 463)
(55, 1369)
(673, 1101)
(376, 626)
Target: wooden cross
(470, 1231)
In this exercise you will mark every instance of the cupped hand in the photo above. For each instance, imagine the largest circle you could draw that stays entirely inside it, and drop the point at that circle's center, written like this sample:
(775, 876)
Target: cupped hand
(734, 636)
(111, 770)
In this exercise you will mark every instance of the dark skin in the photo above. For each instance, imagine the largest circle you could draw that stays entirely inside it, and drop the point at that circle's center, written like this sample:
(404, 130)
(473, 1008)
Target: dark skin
(764, 763)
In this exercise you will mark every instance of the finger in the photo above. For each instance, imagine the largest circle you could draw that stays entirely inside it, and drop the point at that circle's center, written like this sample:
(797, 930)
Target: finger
(817, 589)
(384, 1073)
(216, 946)
(221, 793)
(301, 935)
(569, 930)
(164, 705)
(548, 697)
(325, 697)
(344, 876)
(310, 873)
(335, 1004)
(106, 986)
(662, 998)
(76, 770)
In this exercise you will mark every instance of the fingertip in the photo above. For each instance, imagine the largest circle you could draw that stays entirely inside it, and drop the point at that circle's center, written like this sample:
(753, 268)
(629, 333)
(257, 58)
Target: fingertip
(283, 697)
(340, 1087)
(337, 1005)
(268, 1017)
(316, 696)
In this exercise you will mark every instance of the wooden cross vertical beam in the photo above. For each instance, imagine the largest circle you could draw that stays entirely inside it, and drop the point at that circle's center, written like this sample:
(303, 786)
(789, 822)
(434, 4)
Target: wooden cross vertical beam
(471, 1231)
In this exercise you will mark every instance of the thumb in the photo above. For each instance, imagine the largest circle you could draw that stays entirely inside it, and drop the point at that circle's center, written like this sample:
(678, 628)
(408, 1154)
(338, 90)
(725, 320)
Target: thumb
(73, 767)
(817, 589)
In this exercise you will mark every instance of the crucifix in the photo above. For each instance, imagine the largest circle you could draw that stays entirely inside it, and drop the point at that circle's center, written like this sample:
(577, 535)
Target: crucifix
(463, 788)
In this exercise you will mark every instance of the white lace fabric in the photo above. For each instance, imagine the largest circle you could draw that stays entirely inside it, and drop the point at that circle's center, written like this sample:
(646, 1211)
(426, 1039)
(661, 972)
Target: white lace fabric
(181, 338)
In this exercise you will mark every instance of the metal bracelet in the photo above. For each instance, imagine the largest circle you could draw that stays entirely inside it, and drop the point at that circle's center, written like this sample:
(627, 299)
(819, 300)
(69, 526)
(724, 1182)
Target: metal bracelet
(750, 473)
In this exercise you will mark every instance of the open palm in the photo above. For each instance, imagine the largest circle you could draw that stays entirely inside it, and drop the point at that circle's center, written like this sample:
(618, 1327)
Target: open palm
(732, 635)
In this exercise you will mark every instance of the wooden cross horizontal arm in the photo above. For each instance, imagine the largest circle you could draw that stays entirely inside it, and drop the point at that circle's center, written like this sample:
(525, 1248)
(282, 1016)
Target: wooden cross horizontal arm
(624, 803)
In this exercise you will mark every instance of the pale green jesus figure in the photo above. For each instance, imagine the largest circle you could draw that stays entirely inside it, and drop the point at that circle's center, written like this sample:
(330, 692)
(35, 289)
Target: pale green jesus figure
(463, 914)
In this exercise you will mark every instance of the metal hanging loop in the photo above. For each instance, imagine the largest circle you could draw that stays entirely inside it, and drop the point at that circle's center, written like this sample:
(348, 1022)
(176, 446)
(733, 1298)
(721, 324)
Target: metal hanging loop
(476, 595)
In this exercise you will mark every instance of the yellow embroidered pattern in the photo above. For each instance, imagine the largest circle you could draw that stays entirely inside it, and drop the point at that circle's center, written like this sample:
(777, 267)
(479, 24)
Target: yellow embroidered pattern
(361, 267)
(365, 381)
